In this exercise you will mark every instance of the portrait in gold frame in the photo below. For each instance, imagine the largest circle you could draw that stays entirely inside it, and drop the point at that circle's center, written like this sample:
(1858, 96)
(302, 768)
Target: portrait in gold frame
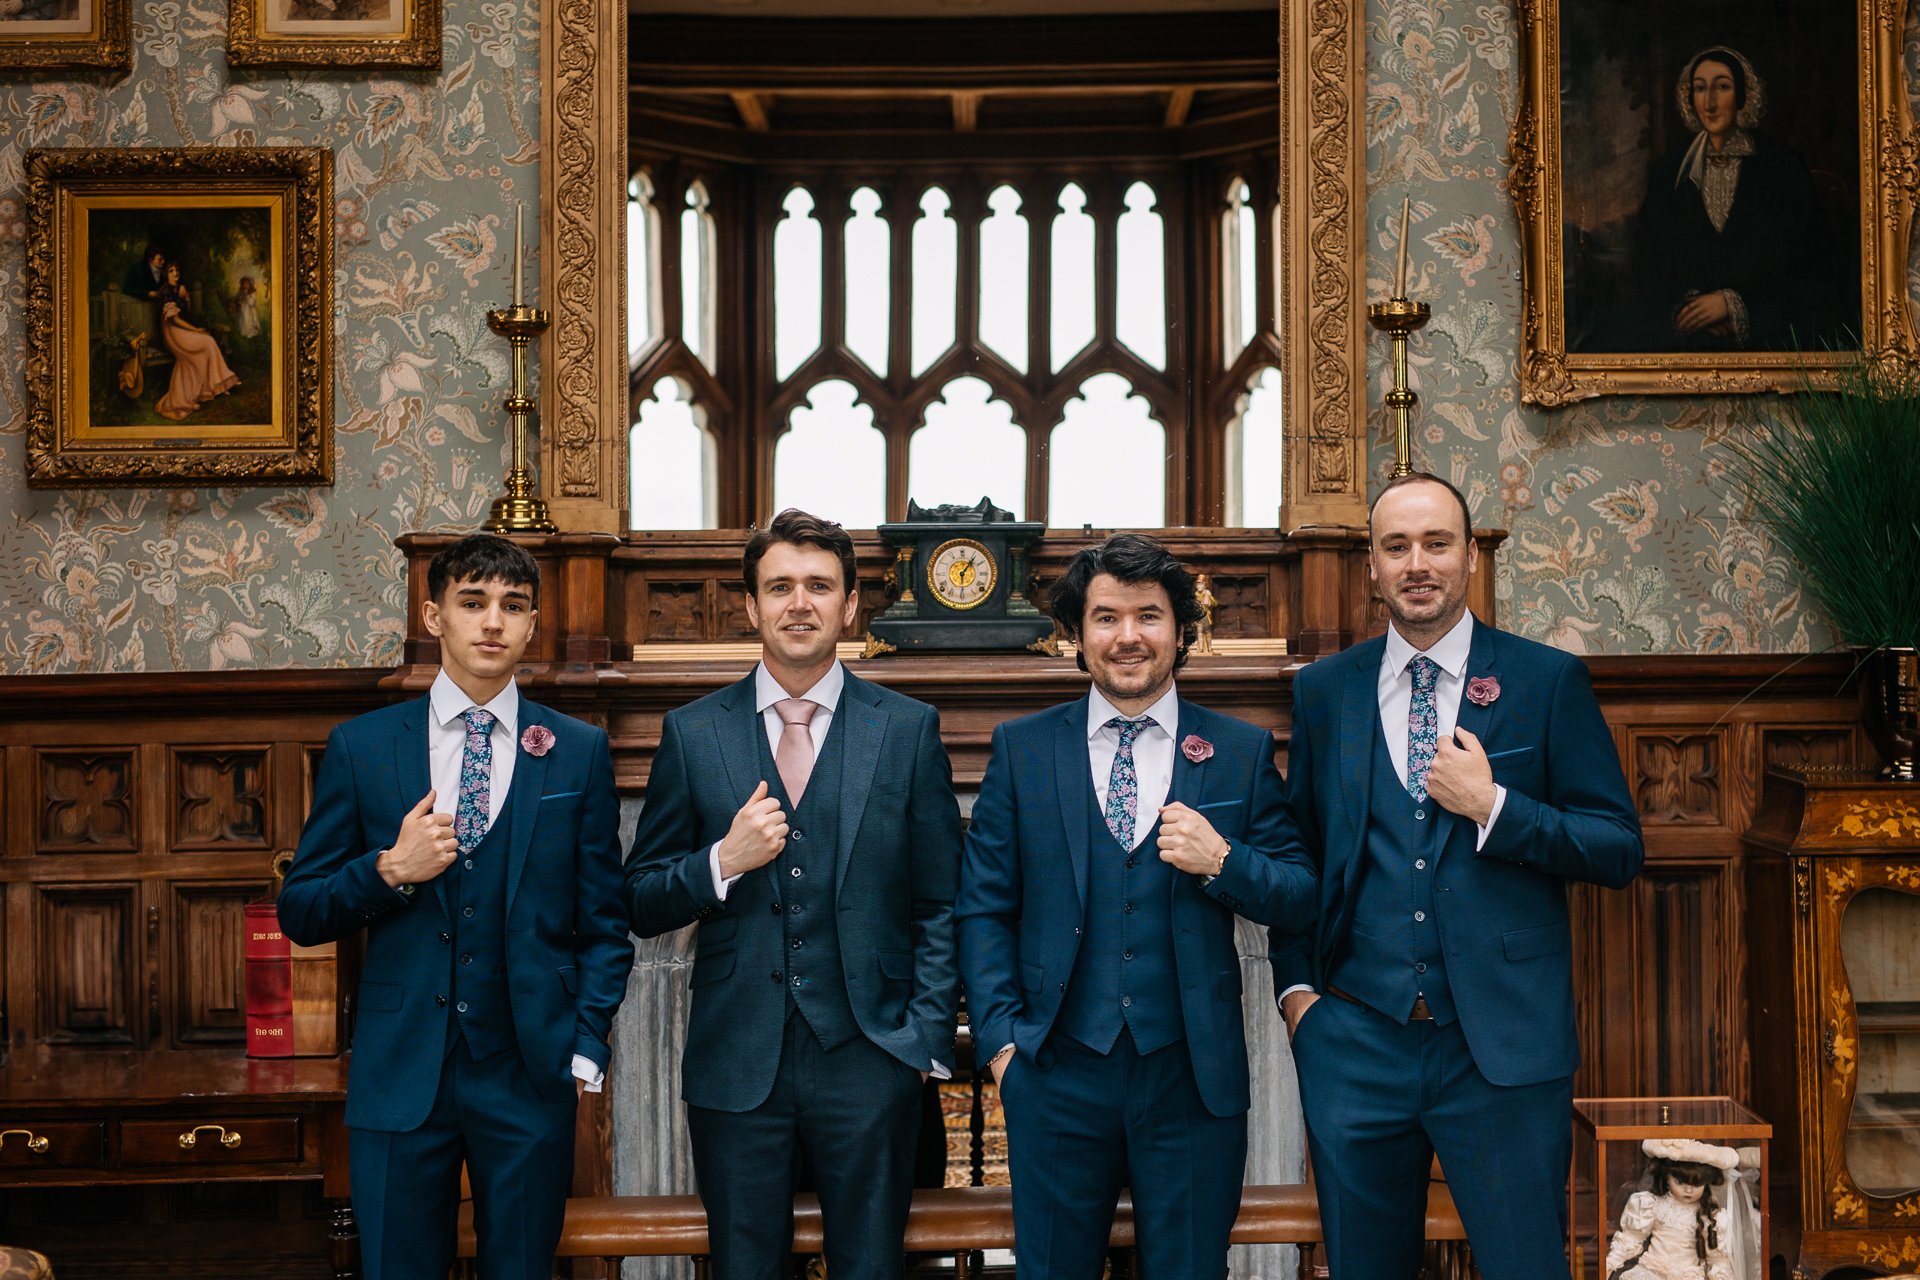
(65, 35)
(177, 312)
(1573, 347)
(365, 35)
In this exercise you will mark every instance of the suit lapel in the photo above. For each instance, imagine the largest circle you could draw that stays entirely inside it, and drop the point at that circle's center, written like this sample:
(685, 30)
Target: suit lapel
(733, 729)
(1476, 720)
(863, 726)
(1189, 779)
(1070, 779)
(1359, 721)
(523, 798)
(413, 775)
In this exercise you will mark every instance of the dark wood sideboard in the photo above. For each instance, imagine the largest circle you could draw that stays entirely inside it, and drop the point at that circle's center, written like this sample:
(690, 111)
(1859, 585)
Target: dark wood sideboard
(141, 812)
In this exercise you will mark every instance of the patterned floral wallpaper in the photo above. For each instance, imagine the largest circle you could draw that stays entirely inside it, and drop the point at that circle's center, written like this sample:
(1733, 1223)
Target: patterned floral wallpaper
(427, 171)
(1626, 537)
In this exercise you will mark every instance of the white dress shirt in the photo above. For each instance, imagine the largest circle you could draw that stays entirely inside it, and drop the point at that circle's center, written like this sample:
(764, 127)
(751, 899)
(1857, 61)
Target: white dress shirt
(1152, 753)
(825, 695)
(447, 747)
(1450, 653)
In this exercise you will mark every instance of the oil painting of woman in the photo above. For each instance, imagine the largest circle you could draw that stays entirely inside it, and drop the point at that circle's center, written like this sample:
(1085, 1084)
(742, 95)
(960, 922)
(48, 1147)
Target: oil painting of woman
(200, 372)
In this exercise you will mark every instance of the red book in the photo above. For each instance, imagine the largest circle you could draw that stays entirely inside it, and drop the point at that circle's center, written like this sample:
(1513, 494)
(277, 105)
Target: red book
(269, 984)
(270, 1037)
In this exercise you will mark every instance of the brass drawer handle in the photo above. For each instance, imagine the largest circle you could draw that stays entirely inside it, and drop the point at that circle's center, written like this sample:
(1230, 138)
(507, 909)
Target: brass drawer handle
(228, 1138)
(36, 1145)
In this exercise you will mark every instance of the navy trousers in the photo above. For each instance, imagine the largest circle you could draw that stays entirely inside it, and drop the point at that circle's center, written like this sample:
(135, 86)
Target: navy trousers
(1381, 1100)
(1088, 1124)
(518, 1148)
(855, 1113)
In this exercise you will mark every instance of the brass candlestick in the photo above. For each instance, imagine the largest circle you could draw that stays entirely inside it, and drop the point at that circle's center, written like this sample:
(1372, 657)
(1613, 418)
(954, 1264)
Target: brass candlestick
(519, 509)
(1398, 318)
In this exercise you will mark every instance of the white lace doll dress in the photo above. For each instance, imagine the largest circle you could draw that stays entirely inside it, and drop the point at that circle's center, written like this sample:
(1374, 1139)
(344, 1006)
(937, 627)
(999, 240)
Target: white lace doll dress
(1666, 1230)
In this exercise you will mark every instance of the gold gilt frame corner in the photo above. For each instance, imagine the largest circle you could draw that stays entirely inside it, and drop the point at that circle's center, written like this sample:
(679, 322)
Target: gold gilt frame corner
(582, 262)
(1889, 189)
(414, 48)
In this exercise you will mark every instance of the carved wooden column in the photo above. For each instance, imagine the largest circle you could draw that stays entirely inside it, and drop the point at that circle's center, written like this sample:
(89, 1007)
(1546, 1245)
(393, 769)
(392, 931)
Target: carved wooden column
(583, 263)
(1323, 201)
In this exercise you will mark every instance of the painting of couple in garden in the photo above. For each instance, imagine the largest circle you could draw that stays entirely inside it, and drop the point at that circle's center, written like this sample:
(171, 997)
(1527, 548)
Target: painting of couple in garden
(181, 317)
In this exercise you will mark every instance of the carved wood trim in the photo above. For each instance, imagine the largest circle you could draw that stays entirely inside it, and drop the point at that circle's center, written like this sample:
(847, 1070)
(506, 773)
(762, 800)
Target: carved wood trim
(583, 264)
(1323, 262)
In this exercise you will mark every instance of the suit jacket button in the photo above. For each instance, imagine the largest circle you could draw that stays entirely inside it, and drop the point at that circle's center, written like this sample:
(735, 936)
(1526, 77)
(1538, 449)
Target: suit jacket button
(462, 1006)
(1063, 988)
(796, 835)
(795, 873)
(446, 938)
(775, 906)
(441, 1001)
(776, 975)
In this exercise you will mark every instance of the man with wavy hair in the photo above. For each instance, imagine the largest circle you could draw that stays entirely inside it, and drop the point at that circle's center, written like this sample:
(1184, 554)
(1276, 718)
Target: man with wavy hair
(1113, 842)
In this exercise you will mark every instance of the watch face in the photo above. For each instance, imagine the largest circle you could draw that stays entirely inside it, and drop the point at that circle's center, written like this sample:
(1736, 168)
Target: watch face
(961, 574)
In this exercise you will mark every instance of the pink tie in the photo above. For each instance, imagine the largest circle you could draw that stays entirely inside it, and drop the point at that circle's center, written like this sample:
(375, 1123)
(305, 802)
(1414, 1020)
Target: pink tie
(794, 759)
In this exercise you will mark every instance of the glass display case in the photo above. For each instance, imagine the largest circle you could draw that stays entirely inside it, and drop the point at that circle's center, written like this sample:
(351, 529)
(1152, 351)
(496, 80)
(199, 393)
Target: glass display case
(1880, 948)
(1656, 1181)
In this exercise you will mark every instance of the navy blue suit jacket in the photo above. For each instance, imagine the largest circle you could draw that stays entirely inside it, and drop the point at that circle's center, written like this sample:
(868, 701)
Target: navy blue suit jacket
(568, 954)
(895, 871)
(1503, 909)
(1023, 894)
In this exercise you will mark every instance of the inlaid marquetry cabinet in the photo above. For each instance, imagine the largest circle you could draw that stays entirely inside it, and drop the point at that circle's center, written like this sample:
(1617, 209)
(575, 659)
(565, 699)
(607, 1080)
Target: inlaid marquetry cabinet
(1833, 885)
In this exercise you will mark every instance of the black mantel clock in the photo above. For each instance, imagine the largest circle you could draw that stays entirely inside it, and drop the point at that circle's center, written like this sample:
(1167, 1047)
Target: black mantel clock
(961, 575)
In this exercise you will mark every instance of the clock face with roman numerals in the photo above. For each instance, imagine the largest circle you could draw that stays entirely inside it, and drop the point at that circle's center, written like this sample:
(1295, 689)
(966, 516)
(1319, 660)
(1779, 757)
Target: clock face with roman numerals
(961, 574)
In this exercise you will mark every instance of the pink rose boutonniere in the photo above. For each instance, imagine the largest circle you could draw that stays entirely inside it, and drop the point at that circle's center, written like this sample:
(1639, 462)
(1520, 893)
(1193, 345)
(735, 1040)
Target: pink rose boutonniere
(537, 740)
(1482, 690)
(1197, 748)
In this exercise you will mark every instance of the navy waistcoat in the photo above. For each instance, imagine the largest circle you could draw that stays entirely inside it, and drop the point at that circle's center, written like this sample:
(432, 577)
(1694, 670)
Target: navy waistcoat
(476, 888)
(1394, 954)
(1125, 973)
(816, 981)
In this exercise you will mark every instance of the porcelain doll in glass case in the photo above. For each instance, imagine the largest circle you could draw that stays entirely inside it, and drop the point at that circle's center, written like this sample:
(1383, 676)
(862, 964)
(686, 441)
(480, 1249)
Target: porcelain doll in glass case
(1676, 1227)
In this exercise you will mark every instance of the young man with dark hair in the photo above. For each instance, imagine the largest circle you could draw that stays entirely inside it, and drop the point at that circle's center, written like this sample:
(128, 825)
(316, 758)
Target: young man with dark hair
(806, 820)
(1113, 841)
(473, 835)
(1450, 781)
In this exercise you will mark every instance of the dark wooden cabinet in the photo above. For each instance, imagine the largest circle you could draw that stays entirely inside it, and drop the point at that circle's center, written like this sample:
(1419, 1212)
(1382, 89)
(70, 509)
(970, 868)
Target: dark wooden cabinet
(1833, 887)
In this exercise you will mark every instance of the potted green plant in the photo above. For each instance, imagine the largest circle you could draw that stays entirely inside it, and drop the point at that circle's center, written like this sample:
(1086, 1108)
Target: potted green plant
(1835, 472)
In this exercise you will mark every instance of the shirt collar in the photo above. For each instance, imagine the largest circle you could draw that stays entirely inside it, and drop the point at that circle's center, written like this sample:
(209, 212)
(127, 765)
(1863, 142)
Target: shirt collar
(450, 702)
(1450, 652)
(1165, 711)
(767, 690)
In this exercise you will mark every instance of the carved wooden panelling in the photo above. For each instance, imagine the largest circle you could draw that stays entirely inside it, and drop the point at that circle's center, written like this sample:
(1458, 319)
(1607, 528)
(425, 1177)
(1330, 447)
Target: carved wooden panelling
(1808, 749)
(732, 621)
(87, 801)
(676, 611)
(1682, 967)
(87, 963)
(220, 798)
(1241, 607)
(1677, 778)
(209, 961)
(310, 758)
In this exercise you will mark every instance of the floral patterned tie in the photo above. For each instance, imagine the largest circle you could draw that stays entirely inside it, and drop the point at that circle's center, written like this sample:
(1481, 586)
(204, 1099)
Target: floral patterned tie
(1423, 725)
(1123, 785)
(476, 776)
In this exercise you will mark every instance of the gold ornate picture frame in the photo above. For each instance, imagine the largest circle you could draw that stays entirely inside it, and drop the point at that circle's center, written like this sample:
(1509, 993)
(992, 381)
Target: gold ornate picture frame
(366, 35)
(178, 315)
(1628, 220)
(67, 35)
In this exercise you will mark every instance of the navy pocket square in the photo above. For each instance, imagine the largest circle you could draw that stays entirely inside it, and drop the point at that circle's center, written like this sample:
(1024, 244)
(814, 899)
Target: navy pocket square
(561, 795)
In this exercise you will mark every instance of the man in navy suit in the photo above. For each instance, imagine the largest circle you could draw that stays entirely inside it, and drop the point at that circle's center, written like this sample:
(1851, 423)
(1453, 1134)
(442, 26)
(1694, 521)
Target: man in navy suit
(1449, 780)
(1113, 841)
(805, 819)
(473, 835)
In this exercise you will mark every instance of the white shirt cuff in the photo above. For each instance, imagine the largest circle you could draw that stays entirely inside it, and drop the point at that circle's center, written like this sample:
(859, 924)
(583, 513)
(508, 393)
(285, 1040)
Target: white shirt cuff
(1298, 986)
(588, 1071)
(1499, 802)
(941, 1071)
(720, 887)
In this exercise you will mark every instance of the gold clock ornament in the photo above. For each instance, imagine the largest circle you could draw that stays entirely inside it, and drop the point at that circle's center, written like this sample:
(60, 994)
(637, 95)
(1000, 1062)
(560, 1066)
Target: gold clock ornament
(961, 574)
